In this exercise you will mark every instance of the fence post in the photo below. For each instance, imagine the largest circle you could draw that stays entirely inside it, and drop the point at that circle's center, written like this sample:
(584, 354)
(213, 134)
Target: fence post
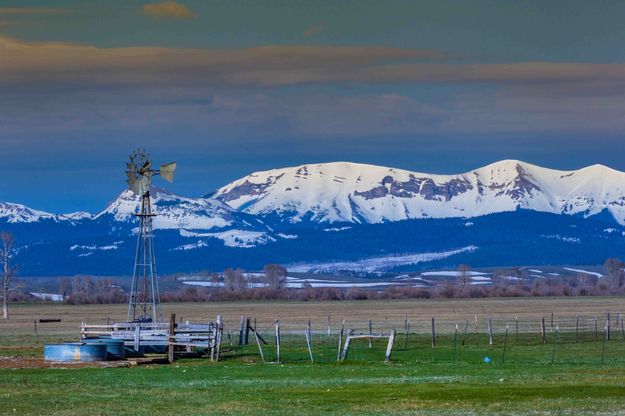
(406, 339)
(505, 342)
(218, 332)
(308, 332)
(278, 340)
(596, 329)
(455, 340)
(329, 326)
(543, 332)
(247, 330)
(622, 329)
(516, 329)
(608, 327)
(577, 328)
(338, 354)
(241, 330)
(406, 324)
(370, 332)
(555, 339)
(490, 331)
(346, 347)
(171, 356)
(433, 333)
(35, 323)
(605, 339)
(137, 345)
(389, 347)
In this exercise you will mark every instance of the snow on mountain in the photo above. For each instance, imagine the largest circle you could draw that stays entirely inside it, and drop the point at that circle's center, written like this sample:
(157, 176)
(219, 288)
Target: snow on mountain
(230, 238)
(16, 213)
(174, 212)
(77, 216)
(351, 192)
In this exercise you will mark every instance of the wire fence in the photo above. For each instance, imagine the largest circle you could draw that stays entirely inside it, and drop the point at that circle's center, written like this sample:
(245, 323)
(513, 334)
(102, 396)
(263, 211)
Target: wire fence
(516, 340)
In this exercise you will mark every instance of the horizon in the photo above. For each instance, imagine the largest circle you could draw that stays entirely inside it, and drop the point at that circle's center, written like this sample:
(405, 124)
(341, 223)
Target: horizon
(227, 89)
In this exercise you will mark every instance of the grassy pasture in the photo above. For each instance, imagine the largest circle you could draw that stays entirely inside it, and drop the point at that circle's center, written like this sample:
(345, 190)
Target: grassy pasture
(419, 380)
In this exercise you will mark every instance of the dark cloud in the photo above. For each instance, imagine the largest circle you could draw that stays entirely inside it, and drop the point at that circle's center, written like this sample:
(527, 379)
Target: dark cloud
(4, 11)
(277, 66)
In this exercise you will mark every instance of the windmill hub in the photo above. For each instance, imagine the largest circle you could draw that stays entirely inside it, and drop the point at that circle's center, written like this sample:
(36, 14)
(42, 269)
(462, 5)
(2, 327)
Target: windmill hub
(145, 303)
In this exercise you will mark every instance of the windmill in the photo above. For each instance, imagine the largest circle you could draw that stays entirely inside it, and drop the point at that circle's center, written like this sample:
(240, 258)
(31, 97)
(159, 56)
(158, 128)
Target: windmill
(145, 303)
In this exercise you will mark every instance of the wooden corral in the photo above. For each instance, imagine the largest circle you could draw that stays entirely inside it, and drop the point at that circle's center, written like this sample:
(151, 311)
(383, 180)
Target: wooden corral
(169, 336)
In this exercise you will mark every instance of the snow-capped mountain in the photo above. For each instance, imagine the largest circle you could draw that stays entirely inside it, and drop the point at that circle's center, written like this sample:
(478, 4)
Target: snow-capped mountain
(351, 192)
(175, 212)
(17, 213)
(506, 213)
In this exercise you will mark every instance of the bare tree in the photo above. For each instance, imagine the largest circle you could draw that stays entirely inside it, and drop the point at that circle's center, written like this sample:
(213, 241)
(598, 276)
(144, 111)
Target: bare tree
(464, 276)
(7, 251)
(275, 276)
(614, 269)
(235, 280)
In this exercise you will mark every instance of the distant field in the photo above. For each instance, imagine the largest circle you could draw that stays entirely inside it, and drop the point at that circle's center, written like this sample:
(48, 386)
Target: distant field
(22, 316)
(525, 375)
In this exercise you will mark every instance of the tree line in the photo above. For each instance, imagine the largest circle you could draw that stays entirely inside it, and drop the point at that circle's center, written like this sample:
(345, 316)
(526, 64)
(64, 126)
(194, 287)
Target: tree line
(236, 284)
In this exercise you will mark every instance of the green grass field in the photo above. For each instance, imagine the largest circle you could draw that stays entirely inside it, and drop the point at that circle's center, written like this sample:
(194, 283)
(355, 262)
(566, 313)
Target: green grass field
(529, 378)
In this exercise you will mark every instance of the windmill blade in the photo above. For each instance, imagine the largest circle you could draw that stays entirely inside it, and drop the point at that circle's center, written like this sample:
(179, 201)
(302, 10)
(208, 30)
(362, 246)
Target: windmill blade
(134, 185)
(139, 184)
(167, 171)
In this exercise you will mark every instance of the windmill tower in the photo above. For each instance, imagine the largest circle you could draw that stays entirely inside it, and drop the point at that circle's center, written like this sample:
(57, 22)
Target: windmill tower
(145, 303)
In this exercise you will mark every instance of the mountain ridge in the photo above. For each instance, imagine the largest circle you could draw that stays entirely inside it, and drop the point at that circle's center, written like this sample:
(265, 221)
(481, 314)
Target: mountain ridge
(351, 192)
(362, 193)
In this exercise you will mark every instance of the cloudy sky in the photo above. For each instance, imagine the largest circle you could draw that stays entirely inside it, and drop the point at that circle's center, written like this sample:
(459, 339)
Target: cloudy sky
(227, 87)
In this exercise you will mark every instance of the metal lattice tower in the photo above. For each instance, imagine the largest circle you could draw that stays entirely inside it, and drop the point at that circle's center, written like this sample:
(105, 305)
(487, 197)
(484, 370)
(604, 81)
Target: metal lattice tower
(145, 302)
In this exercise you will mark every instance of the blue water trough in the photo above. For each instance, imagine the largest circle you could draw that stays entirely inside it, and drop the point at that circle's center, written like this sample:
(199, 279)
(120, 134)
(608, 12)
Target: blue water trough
(75, 352)
(114, 347)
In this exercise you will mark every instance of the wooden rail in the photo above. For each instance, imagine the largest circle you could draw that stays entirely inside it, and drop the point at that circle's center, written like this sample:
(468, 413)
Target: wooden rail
(171, 335)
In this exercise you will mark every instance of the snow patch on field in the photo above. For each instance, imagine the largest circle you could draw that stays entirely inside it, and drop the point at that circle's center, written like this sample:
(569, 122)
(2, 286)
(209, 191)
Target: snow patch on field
(599, 275)
(452, 273)
(376, 263)
(54, 297)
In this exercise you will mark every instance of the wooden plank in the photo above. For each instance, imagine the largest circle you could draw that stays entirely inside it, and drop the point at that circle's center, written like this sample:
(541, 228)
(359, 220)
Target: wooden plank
(347, 343)
(389, 346)
(260, 349)
(433, 333)
(171, 356)
(218, 333)
(338, 354)
(278, 340)
(307, 333)
(137, 336)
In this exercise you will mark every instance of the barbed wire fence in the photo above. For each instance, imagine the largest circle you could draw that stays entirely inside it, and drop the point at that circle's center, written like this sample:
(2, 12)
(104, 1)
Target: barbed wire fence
(490, 339)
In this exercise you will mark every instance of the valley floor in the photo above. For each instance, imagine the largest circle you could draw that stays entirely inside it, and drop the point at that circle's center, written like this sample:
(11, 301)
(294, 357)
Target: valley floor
(524, 376)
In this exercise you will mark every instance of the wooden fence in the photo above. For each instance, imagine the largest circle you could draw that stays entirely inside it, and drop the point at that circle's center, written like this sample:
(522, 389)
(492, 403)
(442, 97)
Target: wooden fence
(171, 336)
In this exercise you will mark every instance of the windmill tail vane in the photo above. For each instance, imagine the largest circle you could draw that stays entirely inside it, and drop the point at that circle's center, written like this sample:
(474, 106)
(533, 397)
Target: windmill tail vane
(144, 304)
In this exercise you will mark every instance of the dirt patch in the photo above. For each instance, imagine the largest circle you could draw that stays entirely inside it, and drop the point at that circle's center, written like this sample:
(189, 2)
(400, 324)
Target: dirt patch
(14, 362)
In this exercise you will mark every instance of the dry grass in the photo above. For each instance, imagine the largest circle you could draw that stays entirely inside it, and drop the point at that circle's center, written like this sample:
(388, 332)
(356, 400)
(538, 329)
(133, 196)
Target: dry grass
(297, 313)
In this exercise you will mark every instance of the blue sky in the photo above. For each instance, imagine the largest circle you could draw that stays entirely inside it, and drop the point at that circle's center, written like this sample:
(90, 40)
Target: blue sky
(230, 87)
